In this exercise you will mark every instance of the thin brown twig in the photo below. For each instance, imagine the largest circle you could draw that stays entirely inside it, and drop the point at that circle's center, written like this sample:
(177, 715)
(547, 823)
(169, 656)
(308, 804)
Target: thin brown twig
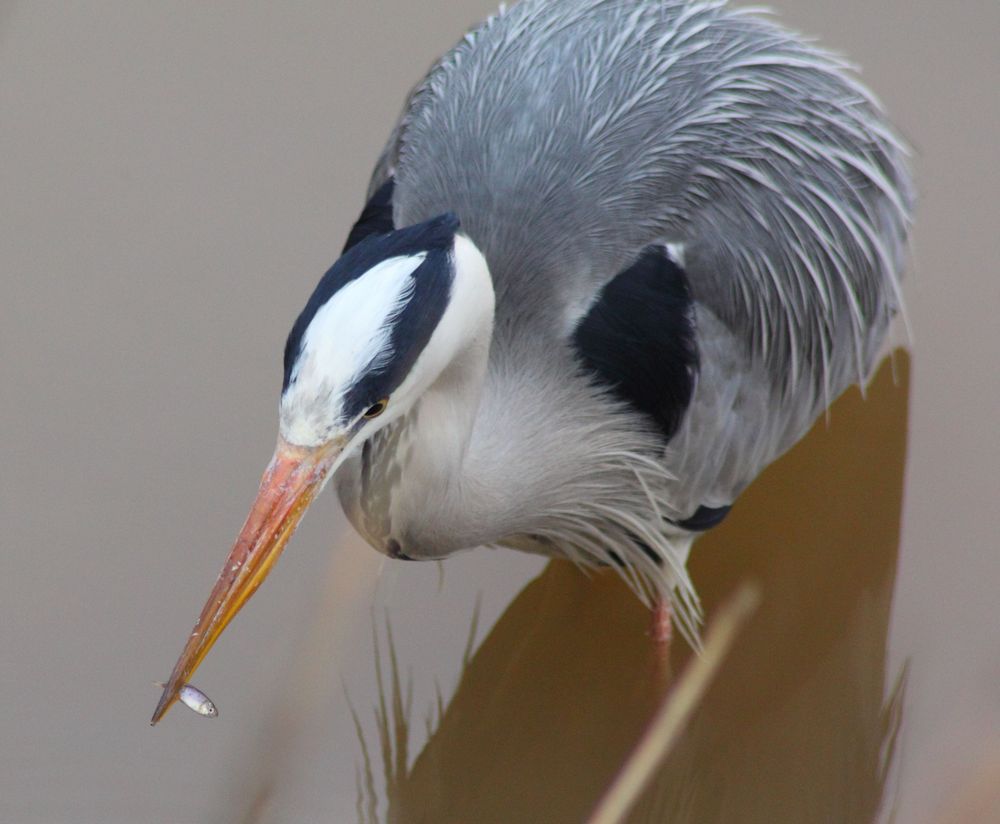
(672, 718)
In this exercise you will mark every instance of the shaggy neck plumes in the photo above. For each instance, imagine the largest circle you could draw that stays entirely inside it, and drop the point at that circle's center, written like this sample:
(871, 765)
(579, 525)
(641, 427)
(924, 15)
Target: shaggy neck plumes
(510, 458)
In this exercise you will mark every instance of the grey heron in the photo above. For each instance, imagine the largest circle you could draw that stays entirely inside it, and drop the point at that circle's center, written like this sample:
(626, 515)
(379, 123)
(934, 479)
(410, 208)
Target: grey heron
(617, 256)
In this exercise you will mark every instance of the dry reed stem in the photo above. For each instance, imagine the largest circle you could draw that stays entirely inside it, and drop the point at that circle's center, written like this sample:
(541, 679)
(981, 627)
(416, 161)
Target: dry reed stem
(672, 718)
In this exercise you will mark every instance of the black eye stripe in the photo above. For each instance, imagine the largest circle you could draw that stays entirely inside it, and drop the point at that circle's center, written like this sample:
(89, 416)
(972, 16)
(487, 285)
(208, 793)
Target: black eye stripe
(411, 330)
(434, 237)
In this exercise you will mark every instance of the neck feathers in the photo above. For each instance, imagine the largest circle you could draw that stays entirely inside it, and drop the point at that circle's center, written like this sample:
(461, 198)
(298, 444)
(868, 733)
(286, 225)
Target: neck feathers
(538, 462)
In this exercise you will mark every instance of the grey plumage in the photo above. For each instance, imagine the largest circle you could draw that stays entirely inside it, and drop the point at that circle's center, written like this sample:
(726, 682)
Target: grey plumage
(568, 135)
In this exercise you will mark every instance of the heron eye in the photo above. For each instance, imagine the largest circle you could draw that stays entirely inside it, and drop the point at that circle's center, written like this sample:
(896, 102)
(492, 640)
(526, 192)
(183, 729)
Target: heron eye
(376, 409)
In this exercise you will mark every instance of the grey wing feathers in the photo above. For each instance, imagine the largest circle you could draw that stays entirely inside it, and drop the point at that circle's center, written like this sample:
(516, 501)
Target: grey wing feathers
(568, 134)
(733, 427)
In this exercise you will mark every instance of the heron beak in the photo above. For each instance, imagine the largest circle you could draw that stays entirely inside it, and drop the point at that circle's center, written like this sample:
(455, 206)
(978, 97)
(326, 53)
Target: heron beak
(293, 478)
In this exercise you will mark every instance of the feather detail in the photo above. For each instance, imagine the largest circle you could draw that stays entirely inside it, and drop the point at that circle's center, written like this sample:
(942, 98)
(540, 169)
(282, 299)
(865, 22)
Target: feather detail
(569, 135)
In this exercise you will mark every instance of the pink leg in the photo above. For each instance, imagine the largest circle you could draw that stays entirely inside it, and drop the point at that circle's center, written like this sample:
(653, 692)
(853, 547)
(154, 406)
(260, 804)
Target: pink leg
(660, 628)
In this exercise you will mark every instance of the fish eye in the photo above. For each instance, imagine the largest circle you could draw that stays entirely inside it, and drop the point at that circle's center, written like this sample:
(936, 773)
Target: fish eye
(376, 409)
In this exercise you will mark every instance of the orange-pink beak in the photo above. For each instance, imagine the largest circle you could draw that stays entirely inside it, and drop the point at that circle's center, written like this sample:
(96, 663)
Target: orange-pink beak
(291, 481)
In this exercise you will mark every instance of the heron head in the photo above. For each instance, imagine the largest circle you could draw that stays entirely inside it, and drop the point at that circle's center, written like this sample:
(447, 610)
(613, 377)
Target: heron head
(382, 325)
(379, 328)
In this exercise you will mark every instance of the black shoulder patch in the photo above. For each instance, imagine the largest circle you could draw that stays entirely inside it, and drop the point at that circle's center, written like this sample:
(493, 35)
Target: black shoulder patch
(704, 518)
(376, 217)
(435, 237)
(639, 338)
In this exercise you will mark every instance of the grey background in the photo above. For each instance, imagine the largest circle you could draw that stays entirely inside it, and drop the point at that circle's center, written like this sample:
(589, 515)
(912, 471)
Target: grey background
(174, 177)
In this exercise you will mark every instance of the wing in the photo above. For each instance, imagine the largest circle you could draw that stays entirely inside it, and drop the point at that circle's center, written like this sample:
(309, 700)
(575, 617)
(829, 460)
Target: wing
(569, 134)
(670, 359)
(639, 340)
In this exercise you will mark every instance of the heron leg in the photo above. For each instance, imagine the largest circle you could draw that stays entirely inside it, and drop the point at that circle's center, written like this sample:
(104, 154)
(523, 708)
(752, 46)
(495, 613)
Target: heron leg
(660, 627)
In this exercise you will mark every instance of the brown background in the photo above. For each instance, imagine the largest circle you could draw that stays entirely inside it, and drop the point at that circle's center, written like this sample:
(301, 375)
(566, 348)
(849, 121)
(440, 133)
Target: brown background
(173, 179)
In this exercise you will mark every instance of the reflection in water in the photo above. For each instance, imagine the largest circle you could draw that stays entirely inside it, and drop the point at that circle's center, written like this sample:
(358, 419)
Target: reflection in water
(796, 726)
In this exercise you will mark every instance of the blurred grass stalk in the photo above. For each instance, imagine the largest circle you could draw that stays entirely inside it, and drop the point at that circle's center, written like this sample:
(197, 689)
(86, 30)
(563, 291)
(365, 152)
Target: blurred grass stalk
(673, 716)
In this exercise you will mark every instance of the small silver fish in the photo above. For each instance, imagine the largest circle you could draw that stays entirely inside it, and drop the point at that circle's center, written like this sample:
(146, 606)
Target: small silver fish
(194, 699)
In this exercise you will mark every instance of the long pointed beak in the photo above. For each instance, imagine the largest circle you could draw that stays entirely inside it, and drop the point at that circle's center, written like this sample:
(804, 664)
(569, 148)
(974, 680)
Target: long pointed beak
(291, 481)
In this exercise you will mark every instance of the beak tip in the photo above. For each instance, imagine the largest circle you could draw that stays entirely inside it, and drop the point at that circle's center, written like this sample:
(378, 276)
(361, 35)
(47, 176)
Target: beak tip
(293, 478)
(161, 707)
